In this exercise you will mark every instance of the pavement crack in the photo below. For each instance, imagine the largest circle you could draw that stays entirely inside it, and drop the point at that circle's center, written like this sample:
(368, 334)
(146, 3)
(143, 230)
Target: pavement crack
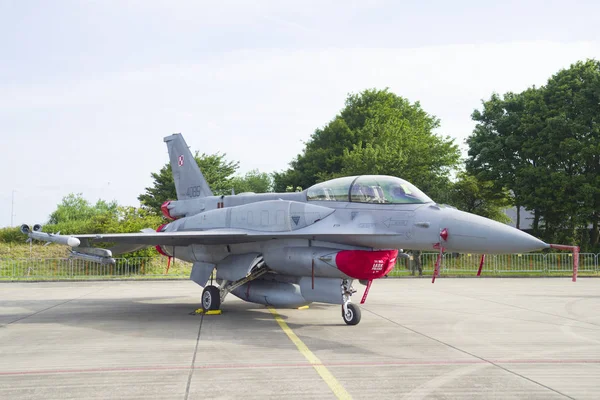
(193, 365)
(470, 354)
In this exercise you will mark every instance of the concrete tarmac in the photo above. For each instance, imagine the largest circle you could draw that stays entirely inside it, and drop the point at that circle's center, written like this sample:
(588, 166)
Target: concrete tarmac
(457, 338)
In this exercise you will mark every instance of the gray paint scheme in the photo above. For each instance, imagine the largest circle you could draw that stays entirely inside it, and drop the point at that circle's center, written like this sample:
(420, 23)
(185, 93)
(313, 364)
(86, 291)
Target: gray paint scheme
(299, 239)
(201, 272)
(237, 266)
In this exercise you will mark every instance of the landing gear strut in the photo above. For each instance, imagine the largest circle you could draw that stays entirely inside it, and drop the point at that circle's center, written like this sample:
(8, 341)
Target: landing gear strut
(211, 298)
(350, 311)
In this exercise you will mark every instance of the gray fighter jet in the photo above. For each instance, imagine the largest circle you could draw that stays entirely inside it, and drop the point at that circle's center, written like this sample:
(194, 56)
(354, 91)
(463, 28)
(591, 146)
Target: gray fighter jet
(292, 249)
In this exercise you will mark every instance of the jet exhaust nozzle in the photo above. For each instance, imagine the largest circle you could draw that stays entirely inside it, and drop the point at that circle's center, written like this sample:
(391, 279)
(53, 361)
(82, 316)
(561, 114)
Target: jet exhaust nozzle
(25, 229)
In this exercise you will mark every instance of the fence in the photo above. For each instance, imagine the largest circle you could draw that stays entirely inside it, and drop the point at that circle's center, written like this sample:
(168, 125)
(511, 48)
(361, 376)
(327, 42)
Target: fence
(534, 264)
(66, 268)
(531, 264)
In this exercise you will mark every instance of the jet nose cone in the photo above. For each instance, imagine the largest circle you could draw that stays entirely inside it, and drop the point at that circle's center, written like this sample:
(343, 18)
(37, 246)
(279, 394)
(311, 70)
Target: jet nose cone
(472, 233)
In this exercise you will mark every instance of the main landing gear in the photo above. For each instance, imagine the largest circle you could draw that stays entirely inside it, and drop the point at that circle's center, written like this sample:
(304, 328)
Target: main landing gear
(211, 298)
(350, 311)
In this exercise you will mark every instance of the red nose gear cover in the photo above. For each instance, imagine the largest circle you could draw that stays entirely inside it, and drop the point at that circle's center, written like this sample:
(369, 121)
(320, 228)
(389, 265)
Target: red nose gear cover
(363, 264)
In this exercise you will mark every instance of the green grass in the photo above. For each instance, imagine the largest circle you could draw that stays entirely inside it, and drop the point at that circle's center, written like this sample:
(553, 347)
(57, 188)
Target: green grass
(35, 250)
(64, 268)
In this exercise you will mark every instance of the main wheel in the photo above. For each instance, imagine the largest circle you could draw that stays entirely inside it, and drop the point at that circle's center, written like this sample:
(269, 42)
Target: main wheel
(352, 314)
(211, 298)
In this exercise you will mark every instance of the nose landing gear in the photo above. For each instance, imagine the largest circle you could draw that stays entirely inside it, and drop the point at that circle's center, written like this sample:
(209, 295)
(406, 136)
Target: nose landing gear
(350, 311)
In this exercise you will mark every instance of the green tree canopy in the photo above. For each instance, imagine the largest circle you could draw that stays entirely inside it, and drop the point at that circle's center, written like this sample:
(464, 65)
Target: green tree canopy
(503, 143)
(479, 197)
(76, 215)
(377, 132)
(74, 207)
(544, 146)
(253, 181)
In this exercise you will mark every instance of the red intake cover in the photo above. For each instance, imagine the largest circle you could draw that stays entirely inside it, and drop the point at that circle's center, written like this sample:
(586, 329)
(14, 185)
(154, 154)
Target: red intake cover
(165, 210)
(363, 264)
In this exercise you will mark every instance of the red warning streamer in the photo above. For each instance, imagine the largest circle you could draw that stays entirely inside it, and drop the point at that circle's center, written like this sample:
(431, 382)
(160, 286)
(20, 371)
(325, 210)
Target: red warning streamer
(438, 263)
(575, 250)
(364, 298)
(481, 264)
(168, 265)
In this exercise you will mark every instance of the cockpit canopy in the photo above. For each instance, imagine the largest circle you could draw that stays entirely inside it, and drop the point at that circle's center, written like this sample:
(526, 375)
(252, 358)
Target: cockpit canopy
(368, 189)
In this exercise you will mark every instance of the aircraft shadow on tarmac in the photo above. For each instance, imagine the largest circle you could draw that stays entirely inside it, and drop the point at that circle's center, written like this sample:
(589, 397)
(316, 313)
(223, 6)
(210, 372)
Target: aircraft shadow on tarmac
(169, 318)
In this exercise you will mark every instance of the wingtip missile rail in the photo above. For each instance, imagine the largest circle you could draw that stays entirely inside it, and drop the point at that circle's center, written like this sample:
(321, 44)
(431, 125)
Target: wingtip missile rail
(101, 256)
(37, 234)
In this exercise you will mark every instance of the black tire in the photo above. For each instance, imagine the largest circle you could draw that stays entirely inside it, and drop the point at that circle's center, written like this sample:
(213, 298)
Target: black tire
(211, 298)
(352, 316)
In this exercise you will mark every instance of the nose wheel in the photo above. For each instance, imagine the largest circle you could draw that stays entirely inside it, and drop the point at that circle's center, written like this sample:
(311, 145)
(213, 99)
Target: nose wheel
(350, 311)
(211, 298)
(351, 314)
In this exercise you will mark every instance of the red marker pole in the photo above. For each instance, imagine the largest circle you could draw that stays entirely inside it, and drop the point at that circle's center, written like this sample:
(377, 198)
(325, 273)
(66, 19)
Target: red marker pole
(575, 250)
(481, 264)
(438, 263)
(575, 263)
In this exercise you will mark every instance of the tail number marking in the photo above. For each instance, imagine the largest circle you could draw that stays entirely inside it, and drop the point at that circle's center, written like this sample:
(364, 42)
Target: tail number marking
(193, 191)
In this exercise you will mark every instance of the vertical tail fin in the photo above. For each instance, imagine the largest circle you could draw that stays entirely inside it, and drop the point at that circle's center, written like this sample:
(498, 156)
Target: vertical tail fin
(189, 181)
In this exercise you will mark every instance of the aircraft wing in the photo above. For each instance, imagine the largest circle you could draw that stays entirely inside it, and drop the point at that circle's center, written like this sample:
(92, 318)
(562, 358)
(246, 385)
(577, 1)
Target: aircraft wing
(169, 238)
(214, 236)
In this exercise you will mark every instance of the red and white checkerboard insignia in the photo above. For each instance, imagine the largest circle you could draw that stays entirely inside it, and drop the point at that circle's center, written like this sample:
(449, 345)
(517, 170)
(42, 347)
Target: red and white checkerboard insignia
(180, 161)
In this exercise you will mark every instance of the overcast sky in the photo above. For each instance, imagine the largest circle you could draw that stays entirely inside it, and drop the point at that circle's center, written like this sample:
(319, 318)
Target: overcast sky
(88, 89)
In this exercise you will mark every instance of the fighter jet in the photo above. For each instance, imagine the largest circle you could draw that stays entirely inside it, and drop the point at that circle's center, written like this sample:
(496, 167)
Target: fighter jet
(292, 249)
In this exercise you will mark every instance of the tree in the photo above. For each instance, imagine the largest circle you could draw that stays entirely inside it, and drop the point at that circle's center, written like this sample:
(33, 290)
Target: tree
(503, 143)
(217, 171)
(76, 215)
(572, 146)
(377, 132)
(544, 146)
(75, 209)
(479, 197)
(253, 181)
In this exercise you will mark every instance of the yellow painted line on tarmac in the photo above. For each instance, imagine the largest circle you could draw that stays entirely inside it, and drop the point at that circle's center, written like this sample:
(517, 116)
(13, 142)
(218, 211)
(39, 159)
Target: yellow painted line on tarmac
(336, 387)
